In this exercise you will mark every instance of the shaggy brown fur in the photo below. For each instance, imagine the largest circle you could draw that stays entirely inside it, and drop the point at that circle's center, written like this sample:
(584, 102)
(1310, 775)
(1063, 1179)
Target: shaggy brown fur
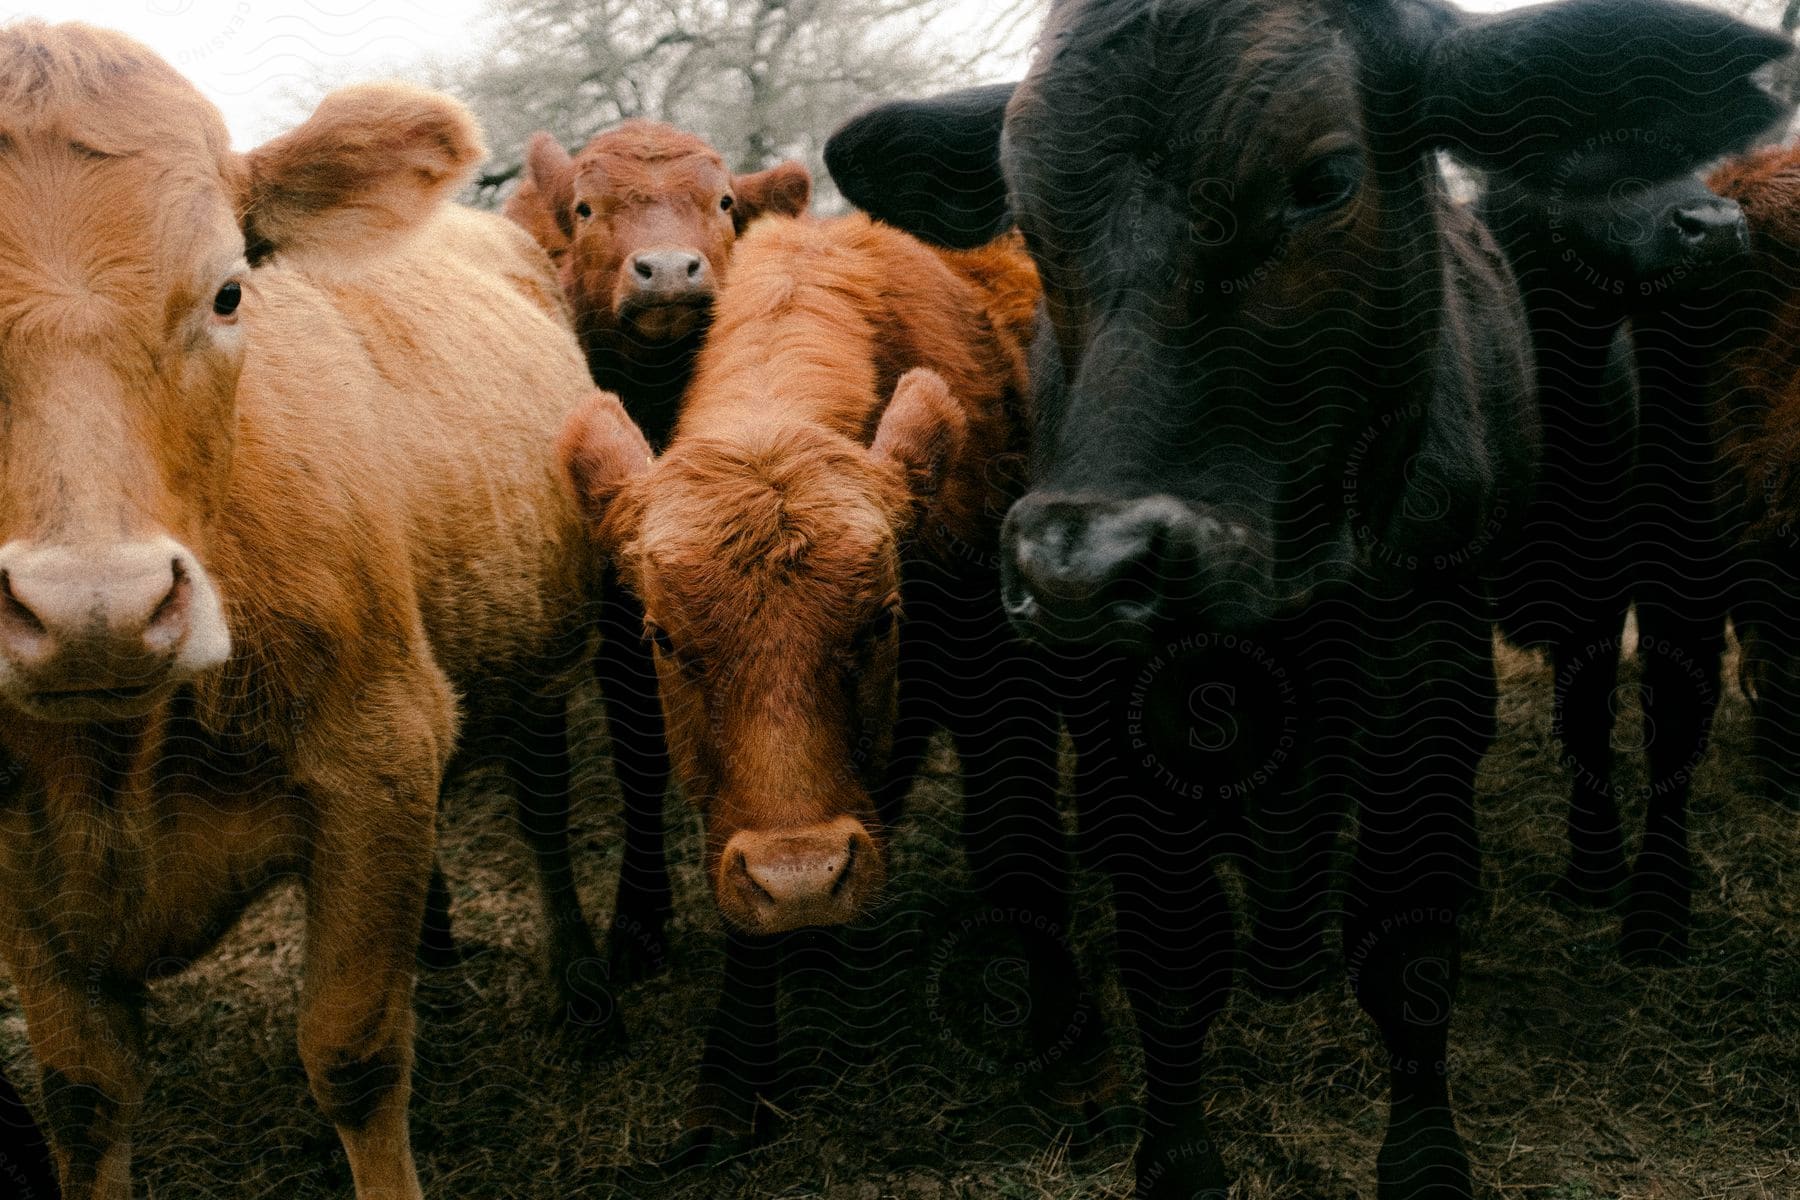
(357, 462)
(855, 409)
(1756, 415)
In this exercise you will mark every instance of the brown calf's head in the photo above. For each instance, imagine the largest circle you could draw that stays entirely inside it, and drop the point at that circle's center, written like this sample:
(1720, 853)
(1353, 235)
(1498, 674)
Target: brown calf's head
(769, 561)
(127, 300)
(649, 215)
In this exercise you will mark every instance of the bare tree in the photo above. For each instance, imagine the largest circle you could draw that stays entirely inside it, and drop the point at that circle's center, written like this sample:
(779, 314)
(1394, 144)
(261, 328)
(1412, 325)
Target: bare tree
(760, 79)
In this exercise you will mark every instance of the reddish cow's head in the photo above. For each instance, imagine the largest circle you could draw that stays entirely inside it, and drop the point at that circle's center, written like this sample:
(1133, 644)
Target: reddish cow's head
(129, 236)
(768, 560)
(649, 214)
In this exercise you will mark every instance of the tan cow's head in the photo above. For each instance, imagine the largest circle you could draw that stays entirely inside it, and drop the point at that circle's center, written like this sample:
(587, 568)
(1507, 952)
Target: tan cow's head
(130, 235)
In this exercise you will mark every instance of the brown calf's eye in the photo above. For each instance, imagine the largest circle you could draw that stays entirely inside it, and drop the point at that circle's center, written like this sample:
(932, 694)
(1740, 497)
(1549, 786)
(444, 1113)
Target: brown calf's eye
(584, 210)
(725, 203)
(225, 304)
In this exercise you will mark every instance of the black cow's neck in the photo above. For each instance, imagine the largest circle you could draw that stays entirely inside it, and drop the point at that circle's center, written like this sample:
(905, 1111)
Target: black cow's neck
(650, 378)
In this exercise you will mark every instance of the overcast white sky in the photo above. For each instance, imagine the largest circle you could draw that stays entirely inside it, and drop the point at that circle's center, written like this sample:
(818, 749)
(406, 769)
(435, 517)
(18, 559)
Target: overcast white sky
(250, 56)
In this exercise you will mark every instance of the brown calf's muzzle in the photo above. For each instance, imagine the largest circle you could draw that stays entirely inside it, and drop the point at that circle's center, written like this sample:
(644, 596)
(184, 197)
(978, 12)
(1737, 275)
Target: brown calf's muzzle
(772, 881)
(97, 632)
(665, 293)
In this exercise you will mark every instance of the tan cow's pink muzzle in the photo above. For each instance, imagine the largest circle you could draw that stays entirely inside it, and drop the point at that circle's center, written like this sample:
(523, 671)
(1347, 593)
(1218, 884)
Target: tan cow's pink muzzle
(774, 881)
(101, 632)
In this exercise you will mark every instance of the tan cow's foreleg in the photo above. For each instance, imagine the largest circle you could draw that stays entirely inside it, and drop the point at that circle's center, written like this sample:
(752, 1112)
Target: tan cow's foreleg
(87, 1036)
(372, 862)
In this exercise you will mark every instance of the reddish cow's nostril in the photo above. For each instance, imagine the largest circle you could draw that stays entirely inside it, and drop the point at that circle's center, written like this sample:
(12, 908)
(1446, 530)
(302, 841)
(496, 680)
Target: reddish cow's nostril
(693, 267)
(646, 270)
(849, 867)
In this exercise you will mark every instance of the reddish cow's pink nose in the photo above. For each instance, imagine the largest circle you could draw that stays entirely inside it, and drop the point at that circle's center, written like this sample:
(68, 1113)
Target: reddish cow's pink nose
(91, 631)
(787, 879)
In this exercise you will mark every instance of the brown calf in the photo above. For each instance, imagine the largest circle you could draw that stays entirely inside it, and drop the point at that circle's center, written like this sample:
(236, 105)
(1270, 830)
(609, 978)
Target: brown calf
(274, 491)
(641, 224)
(815, 551)
(1756, 415)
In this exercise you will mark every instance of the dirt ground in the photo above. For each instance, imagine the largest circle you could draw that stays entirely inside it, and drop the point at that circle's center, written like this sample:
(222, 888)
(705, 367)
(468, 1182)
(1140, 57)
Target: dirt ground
(1576, 1077)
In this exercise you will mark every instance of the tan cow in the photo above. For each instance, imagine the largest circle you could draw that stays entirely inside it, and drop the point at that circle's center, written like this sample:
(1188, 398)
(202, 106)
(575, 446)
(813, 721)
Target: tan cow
(277, 484)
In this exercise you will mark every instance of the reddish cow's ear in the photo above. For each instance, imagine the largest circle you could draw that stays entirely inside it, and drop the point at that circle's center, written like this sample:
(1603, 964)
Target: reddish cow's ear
(783, 190)
(370, 166)
(551, 171)
(601, 451)
(922, 432)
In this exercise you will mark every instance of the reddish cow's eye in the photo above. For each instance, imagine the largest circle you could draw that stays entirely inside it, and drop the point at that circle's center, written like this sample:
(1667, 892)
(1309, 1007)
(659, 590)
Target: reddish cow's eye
(584, 210)
(225, 304)
(725, 203)
(661, 639)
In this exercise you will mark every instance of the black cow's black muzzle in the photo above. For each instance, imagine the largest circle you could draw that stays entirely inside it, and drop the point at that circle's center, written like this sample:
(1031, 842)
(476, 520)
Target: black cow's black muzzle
(1108, 573)
(1706, 232)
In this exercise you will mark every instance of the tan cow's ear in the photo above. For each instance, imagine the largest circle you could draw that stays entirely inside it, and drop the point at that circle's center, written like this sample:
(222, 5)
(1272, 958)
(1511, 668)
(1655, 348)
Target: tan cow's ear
(601, 451)
(551, 171)
(369, 167)
(783, 190)
(922, 432)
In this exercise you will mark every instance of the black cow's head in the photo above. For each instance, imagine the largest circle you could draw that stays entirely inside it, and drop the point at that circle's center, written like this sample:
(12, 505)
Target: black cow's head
(1271, 343)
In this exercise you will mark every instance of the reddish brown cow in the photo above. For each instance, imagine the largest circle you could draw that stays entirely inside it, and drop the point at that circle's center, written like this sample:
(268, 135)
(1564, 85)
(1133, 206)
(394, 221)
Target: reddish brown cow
(274, 496)
(815, 550)
(1757, 420)
(642, 223)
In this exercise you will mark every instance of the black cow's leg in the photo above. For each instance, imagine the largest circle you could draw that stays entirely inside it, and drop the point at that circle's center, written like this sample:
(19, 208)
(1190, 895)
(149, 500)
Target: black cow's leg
(539, 765)
(1294, 834)
(1432, 698)
(1681, 653)
(638, 946)
(437, 940)
(1587, 679)
(1005, 723)
(1174, 948)
(28, 1168)
(739, 1064)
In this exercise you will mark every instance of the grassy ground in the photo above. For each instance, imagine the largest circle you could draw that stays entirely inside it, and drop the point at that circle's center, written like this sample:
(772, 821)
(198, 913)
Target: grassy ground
(1576, 1078)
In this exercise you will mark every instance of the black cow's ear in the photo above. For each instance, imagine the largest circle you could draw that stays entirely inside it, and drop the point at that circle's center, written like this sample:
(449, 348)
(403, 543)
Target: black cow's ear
(931, 167)
(1584, 92)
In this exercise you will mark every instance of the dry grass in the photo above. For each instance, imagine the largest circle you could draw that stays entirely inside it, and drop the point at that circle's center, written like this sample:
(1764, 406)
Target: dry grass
(1577, 1078)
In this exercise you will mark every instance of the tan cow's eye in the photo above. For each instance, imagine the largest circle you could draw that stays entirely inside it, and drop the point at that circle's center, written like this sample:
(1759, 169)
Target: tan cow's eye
(225, 304)
(725, 203)
(584, 210)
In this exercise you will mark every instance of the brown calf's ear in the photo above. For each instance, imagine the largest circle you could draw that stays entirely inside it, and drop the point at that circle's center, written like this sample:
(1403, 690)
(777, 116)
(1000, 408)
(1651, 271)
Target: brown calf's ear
(601, 451)
(783, 190)
(371, 165)
(551, 171)
(922, 431)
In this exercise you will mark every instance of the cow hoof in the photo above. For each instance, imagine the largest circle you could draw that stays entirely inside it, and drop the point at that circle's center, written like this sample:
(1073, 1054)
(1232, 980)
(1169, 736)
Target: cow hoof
(585, 1009)
(1422, 1158)
(1172, 1168)
(1653, 937)
(635, 952)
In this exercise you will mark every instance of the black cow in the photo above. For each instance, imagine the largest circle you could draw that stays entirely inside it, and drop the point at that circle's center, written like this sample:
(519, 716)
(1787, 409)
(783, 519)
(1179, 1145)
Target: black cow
(1625, 507)
(25, 1170)
(1285, 423)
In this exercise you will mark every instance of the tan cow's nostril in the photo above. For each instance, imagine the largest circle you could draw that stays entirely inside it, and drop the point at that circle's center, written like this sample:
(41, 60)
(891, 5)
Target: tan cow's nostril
(15, 610)
(169, 622)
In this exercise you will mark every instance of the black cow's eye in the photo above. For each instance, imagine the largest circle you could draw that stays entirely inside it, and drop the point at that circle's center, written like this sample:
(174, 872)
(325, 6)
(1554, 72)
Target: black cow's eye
(225, 304)
(725, 203)
(584, 210)
(1327, 183)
